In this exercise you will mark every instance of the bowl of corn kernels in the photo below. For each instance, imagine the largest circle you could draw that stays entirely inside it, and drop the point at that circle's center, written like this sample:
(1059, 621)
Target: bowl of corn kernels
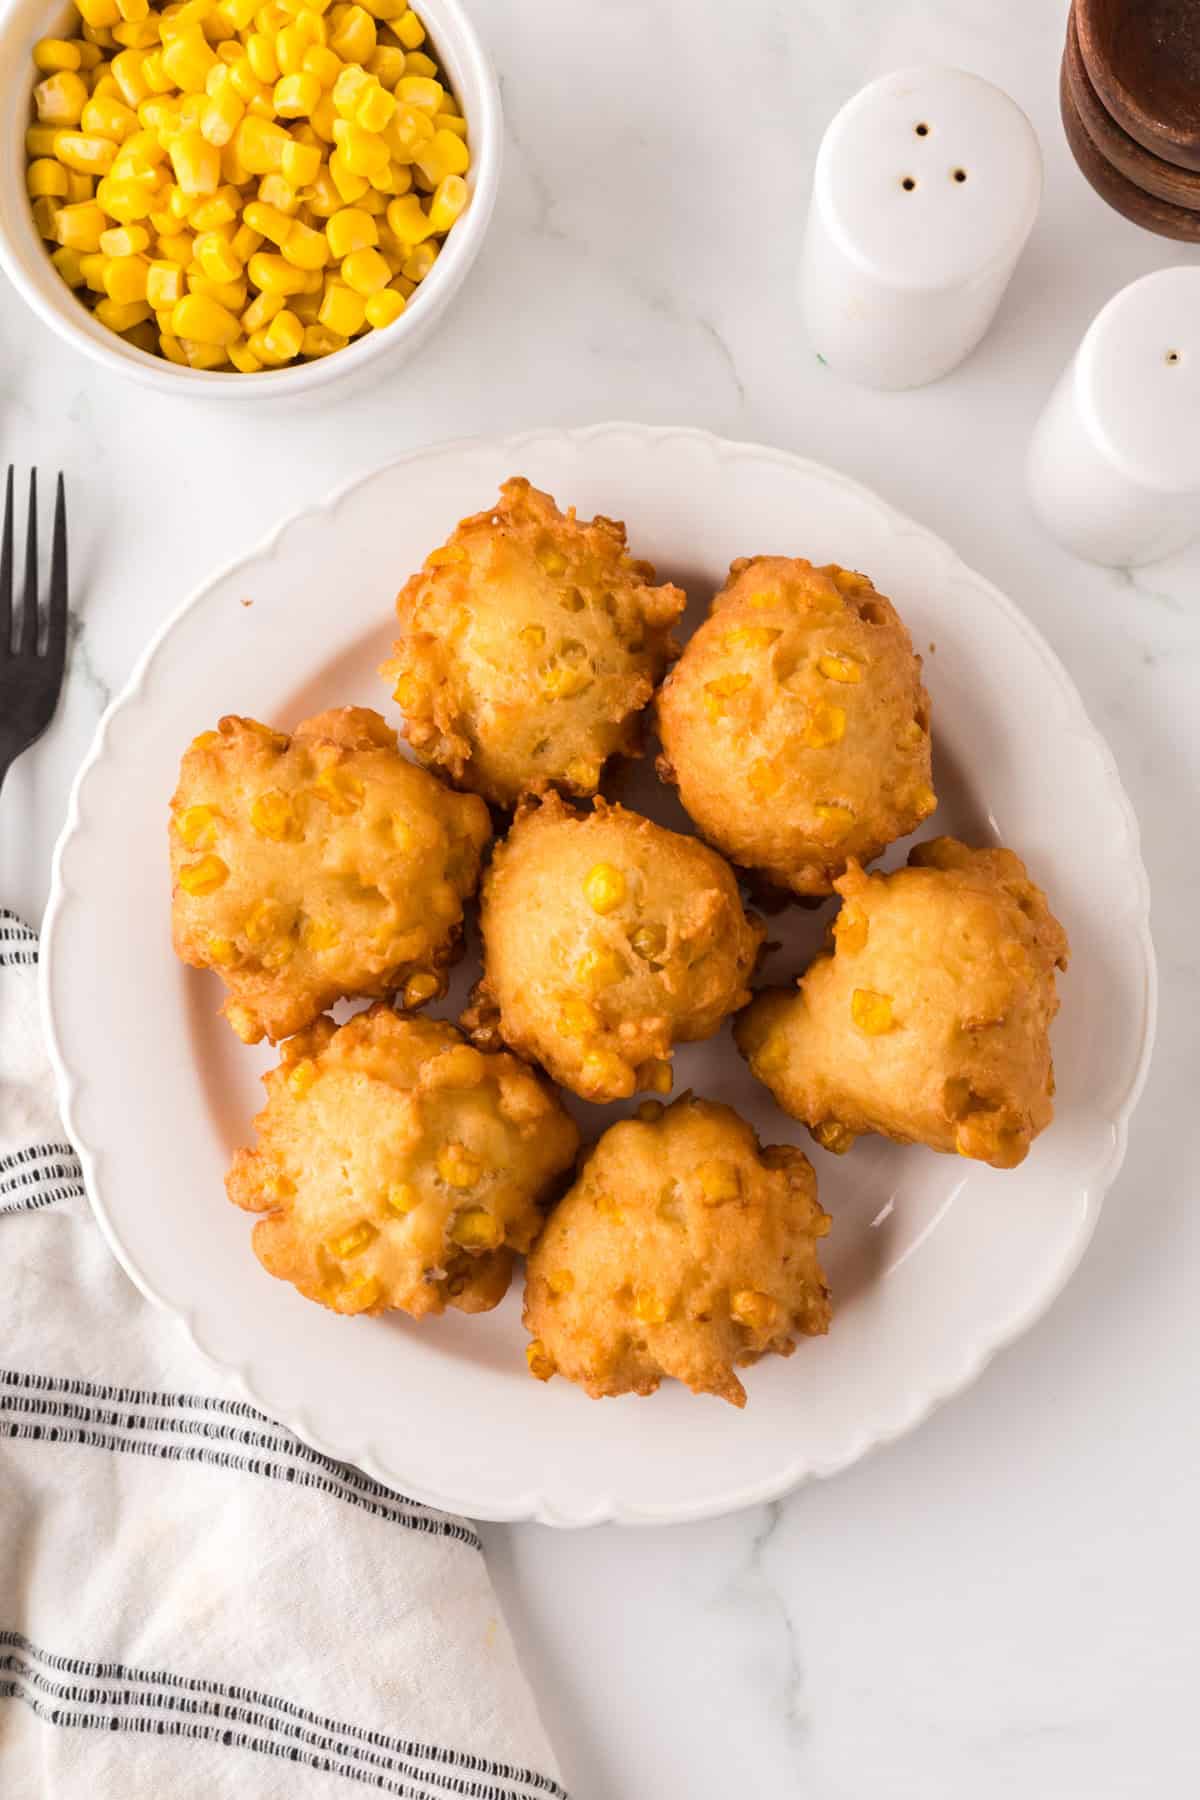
(277, 190)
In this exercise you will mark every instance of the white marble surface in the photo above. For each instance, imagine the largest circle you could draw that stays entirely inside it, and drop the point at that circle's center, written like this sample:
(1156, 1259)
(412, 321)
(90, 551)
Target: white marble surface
(1006, 1602)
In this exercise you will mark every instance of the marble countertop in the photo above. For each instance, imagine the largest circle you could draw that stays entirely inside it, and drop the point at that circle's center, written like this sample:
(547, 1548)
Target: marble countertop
(1005, 1602)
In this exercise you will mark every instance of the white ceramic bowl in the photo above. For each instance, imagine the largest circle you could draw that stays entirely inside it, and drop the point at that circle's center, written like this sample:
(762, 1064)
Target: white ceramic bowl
(24, 259)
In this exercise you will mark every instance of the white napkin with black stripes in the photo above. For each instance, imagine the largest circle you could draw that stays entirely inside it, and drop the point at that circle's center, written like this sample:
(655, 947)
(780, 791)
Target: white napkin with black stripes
(193, 1604)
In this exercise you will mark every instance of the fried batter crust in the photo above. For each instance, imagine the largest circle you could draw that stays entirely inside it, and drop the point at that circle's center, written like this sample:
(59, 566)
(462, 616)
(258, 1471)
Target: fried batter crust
(607, 940)
(930, 1020)
(683, 1249)
(325, 865)
(398, 1167)
(795, 724)
(530, 643)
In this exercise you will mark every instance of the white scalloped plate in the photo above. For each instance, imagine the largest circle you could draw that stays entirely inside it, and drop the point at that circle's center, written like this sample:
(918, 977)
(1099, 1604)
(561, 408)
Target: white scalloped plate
(935, 1262)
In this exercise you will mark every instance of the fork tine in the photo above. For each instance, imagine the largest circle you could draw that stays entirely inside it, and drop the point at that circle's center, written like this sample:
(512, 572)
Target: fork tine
(6, 562)
(56, 638)
(27, 645)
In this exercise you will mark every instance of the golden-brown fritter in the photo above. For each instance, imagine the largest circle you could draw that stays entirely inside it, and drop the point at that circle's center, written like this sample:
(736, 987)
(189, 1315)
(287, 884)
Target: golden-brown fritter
(607, 940)
(930, 1020)
(683, 1249)
(316, 866)
(398, 1167)
(530, 643)
(795, 723)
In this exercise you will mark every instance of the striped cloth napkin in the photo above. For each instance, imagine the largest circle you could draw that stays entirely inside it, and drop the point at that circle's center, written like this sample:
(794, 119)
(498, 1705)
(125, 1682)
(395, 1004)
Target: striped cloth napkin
(193, 1604)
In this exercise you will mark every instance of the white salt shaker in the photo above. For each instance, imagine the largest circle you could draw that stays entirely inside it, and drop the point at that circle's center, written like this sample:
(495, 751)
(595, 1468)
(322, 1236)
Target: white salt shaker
(926, 186)
(1114, 465)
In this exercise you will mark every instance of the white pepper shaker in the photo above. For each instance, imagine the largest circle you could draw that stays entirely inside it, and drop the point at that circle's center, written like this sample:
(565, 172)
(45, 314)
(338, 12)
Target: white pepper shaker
(926, 187)
(1114, 464)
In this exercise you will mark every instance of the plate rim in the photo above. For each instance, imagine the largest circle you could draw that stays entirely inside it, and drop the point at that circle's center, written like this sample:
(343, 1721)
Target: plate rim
(533, 1503)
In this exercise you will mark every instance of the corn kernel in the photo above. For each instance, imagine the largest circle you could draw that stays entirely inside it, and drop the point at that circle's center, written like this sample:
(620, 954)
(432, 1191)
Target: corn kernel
(296, 95)
(649, 942)
(833, 822)
(86, 155)
(52, 55)
(46, 179)
(458, 1166)
(719, 1181)
(45, 217)
(273, 816)
(187, 59)
(125, 240)
(69, 265)
(871, 1012)
(576, 1018)
(301, 1076)
(757, 1311)
(274, 274)
(417, 63)
(419, 261)
(750, 637)
(445, 154)
(541, 1363)
(243, 358)
(221, 950)
(402, 1198)
(449, 199)
(383, 309)
(419, 989)
(80, 227)
(604, 887)
(260, 145)
(407, 221)
(340, 788)
(319, 935)
(108, 118)
(348, 185)
(359, 1296)
(835, 666)
(386, 64)
(560, 1282)
(825, 725)
(196, 162)
(600, 967)
(354, 40)
(421, 91)
(217, 258)
(771, 1057)
(98, 14)
(125, 279)
(657, 1074)
(344, 311)
(203, 877)
(204, 321)
(850, 928)
(563, 682)
(61, 98)
(350, 229)
(352, 1242)
(477, 1229)
(305, 248)
(197, 826)
(374, 107)
(833, 1136)
(650, 1307)
(320, 342)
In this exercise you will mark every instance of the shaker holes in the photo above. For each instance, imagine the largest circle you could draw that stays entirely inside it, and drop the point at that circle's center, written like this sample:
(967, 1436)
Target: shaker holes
(1172, 356)
(922, 130)
(960, 174)
(908, 184)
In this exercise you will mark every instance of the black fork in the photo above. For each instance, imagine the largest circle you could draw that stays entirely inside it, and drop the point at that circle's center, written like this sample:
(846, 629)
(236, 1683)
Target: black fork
(33, 649)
